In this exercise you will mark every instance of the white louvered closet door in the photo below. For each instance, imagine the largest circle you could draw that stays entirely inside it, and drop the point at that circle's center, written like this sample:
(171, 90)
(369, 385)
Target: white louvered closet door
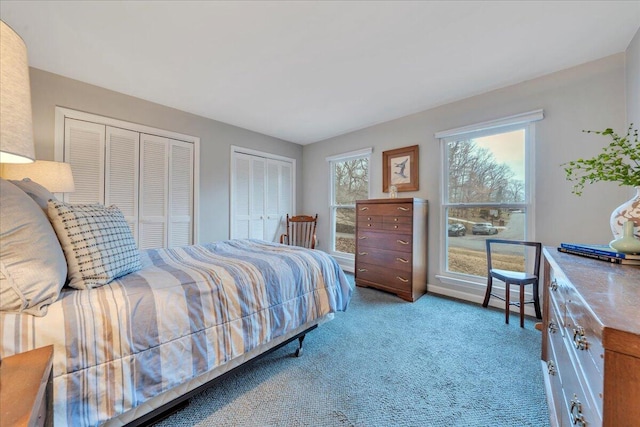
(240, 193)
(154, 152)
(278, 198)
(121, 175)
(84, 146)
(257, 200)
(261, 196)
(180, 193)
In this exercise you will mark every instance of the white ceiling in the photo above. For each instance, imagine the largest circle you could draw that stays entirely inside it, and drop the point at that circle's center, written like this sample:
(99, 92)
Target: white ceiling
(307, 71)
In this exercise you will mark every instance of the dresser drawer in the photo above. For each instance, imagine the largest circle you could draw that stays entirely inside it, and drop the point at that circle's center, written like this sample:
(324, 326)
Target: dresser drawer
(583, 336)
(370, 222)
(391, 259)
(391, 209)
(397, 223)
(577, 400)
(551, 371)
(389, 241)
(395, 280)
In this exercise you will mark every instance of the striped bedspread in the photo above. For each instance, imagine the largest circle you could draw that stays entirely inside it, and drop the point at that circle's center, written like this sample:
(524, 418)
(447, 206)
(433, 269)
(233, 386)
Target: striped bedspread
(189, 310)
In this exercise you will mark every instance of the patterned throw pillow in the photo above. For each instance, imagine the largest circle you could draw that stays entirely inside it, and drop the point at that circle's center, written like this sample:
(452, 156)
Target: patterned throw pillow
(97, 243)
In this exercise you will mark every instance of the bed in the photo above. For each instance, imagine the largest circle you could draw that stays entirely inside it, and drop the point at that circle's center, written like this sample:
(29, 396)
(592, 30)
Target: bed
(182, 318)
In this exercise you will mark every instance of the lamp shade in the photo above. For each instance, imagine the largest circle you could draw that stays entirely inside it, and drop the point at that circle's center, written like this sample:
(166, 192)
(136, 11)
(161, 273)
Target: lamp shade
(16, 127)
(54, 176)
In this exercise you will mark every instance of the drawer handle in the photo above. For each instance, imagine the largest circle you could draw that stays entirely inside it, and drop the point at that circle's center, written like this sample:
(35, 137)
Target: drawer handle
(363, 253)
(362, 237)
(395, 226)
(577, 419)
(402, 260)
(368, 218)
(551, 367)
(395, 219)
(579, 340)
(368, 225)
(365, 208)
(402, 242)
(553, 328)
(402, 208)
(362, 269)
(554, 285)
(402, 279)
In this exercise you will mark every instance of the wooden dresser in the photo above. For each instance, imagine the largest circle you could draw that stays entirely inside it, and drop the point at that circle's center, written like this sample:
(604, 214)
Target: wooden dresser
(391, 246)
(591, 341)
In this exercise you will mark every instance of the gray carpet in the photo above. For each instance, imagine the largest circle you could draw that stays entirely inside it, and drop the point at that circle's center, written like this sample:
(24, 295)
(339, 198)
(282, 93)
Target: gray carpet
(386, 362)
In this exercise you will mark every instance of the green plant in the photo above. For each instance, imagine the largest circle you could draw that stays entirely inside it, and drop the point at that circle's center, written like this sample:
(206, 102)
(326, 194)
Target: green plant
(619, 162)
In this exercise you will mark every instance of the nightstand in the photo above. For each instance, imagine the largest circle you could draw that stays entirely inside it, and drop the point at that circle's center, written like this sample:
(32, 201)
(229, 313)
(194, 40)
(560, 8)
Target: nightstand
(26, 388)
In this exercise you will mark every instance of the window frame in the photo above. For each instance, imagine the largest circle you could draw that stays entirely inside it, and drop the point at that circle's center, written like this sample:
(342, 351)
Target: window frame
(524, 121)
(332, 160)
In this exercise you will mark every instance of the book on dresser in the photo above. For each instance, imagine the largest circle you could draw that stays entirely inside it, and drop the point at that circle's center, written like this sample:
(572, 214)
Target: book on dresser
(600, 252)
(391, 246)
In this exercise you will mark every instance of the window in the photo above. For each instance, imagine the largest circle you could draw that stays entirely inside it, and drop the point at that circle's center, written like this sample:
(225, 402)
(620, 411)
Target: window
(487, 191)
(349, 182)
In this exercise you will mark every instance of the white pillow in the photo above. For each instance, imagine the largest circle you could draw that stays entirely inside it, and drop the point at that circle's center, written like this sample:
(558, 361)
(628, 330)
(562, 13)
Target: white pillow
(96, 241)
(32, 266)
(37, 192)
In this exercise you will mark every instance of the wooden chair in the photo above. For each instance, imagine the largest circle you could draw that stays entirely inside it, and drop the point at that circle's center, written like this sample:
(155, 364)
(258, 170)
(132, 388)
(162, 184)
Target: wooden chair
(301, 231)
(514, 278)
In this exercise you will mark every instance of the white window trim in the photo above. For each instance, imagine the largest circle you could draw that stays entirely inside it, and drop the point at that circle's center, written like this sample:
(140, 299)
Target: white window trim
(61, 113)
(346, 261)
(462, 281)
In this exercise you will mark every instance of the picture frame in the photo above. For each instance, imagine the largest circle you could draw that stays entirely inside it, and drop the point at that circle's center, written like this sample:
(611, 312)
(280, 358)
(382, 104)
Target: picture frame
(400, 168)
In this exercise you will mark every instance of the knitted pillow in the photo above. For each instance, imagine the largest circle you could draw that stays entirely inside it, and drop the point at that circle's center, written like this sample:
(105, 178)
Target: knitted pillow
(97, 243)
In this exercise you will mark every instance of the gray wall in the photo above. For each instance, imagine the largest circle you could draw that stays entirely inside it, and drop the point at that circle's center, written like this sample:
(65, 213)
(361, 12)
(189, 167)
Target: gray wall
(50, 90)
(590, 96)
(633, 81)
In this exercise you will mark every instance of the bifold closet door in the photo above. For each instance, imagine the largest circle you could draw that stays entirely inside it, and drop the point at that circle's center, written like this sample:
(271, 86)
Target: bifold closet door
(154, 188)
(84, 150)
(121, 175)
(261, 196)
(180, 225)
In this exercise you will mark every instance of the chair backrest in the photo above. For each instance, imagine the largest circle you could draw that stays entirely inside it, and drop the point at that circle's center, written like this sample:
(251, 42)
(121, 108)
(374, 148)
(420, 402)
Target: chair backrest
(301, 231)
(491, 243)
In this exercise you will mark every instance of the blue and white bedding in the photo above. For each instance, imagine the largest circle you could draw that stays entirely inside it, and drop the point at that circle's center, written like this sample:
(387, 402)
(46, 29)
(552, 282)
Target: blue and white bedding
(187, 311)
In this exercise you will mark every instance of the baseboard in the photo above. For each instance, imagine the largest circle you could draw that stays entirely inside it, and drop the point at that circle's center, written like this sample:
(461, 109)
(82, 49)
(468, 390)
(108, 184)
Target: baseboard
(469, 295)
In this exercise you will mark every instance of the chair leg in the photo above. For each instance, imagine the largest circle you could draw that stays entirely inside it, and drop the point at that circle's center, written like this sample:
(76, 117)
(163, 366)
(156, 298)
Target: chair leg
(506, 302)
(522, 306)
(487, 294)
(536, 301)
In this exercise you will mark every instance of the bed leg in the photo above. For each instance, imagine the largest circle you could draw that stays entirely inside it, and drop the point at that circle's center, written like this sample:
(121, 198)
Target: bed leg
(298, 352)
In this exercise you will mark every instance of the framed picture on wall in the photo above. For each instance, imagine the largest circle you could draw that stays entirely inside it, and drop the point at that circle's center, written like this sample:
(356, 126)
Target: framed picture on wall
(400, 169)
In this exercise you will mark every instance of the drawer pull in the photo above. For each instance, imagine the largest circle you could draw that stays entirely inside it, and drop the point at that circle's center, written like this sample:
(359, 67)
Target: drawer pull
(577, 419)
(551, 367)
(364, 208)
(579, 340)
(402, 279)
(395, 226)
(395, 219)
(362, 269)
(368, 225)
(402, 242)
(362, 237)
(402, 260)
(402, 208)
(553, 328)
(368, 218)
(553, 285)
(363, 253)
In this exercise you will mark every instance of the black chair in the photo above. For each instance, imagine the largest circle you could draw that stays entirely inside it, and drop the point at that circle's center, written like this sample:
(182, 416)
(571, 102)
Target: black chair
(514, 278)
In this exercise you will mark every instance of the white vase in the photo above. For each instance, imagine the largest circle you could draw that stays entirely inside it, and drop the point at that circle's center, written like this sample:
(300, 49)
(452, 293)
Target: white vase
(628, 211)
(628, 243)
